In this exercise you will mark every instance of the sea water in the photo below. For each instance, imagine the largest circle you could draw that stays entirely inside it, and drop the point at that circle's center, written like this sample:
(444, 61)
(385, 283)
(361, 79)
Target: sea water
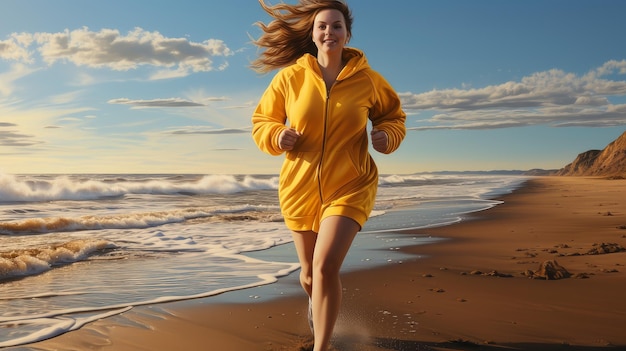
(77, 248)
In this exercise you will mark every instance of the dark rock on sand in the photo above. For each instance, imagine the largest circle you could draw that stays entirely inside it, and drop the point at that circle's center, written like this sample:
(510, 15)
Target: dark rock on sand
(549, 270)
(605, 248)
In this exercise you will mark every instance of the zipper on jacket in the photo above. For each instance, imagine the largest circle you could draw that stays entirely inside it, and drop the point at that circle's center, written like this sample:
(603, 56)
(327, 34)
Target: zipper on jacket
(319, 167)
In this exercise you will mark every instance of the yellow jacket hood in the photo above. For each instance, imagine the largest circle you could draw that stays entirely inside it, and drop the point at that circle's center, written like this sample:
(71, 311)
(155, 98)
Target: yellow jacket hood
(355, 61)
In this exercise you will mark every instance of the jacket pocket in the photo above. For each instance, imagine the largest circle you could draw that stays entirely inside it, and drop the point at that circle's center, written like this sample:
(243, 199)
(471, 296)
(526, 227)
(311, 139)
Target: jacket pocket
(298, 186)
(338, 174)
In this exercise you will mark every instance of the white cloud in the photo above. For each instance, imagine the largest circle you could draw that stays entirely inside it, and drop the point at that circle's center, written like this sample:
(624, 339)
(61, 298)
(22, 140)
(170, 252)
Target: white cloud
(169, 74)
(82, 79)
(65, 98)
(172, 102)
(70, 119)
(14, 48)
(192, 130)
(7, 79)
(10, 137)
(108, 48)
(591, 100)
(551, 97)
(245, 105)
(34, 127)
(611, 66)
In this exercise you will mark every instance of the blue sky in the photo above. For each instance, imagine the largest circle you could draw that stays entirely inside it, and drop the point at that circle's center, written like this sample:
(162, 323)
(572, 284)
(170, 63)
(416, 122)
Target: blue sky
(164, 87)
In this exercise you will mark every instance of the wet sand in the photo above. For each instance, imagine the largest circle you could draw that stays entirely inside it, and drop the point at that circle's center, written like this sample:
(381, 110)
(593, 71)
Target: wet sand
(480, 289)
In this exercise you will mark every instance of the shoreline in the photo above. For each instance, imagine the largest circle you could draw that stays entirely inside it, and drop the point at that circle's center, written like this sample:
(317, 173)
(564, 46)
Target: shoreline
(433, 299)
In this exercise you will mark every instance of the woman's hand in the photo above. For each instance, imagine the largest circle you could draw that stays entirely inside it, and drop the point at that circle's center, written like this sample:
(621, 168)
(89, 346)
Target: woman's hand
(379, 140)
(287, 139)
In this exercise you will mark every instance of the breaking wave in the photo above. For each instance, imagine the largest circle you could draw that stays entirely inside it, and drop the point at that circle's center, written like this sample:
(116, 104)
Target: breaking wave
(32, 261)
(27, 189)
(136, 220)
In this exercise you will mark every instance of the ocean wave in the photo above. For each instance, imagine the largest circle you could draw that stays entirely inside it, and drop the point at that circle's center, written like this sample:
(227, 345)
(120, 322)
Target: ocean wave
(32, 261)
(137, 220)
(27, 189)
(398, 179)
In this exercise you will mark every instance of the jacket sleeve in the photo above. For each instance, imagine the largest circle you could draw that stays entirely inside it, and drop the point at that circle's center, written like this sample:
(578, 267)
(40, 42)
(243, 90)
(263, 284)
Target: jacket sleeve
(269, 117)
(387, 114)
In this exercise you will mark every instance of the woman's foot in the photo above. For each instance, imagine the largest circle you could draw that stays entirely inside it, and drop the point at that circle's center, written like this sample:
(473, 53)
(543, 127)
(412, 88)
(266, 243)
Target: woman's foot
(310, 315)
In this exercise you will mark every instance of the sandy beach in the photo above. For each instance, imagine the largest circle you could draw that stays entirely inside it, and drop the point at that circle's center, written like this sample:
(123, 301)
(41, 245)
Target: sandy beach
(480, 289)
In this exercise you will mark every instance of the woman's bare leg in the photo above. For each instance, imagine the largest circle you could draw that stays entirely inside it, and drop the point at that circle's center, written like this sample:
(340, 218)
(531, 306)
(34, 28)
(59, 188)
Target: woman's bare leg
(305, 246)
(332, 244)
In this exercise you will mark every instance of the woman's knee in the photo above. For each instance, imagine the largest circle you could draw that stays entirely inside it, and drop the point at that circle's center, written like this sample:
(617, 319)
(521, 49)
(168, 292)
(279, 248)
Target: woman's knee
(306, 279)
(326, 268)
(333, 242)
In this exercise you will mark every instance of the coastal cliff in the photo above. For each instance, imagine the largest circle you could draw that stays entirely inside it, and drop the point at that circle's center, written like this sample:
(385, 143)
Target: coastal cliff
(610, 162)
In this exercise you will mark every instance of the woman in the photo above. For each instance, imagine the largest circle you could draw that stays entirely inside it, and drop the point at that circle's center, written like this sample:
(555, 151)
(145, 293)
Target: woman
(316, 111)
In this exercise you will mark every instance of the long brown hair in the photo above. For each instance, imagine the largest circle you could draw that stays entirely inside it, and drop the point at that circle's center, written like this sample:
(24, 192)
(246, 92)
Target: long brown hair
(289, 35)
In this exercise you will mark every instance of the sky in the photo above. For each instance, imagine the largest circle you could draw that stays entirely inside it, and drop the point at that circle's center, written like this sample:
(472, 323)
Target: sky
(165, 86)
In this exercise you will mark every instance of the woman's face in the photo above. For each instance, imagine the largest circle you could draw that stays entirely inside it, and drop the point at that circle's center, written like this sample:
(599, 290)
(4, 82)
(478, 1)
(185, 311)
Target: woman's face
(329, 31)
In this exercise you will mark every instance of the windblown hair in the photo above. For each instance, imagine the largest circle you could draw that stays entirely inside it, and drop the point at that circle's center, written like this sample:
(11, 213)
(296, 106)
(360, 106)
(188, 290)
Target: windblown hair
(290, 34)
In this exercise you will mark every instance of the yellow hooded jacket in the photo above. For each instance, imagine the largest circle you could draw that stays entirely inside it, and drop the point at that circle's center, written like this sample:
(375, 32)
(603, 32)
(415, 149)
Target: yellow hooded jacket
(329, 171)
